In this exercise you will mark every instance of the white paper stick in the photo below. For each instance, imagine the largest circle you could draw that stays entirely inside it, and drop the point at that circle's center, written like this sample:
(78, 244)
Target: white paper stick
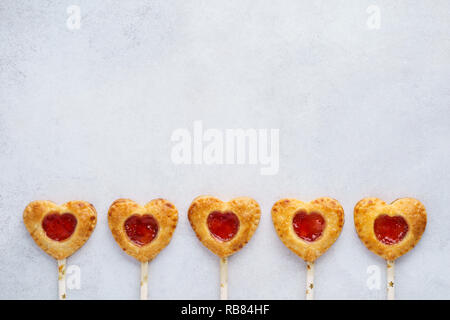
(62, 279)
(144, 280)
(390, 279)
(309, 280)
(223, 279)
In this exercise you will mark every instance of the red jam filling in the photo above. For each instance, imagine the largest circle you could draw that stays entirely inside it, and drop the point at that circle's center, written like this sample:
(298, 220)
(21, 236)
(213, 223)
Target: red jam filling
(141, 229)
(308, 227)
(223, 225)
(59, 227)
(390, 230)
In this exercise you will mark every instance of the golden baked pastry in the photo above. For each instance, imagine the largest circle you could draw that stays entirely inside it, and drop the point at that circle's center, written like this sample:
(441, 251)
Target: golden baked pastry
(224, 227)
(60, 230)
(308, 228)
(142, 231)
(390, 230)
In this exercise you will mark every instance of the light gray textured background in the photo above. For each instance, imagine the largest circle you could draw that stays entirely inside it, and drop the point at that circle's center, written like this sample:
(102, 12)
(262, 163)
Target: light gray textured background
(87, 114)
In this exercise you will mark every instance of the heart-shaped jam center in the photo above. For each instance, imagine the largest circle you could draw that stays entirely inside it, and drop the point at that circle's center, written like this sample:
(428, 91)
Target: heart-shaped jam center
(308, 227)
(141, 229)
(59, 227)
(390, 230)
(223, 225)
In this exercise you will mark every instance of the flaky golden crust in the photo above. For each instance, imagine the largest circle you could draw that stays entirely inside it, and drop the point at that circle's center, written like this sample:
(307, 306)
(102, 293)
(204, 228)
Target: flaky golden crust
(246, 209)
(86, 217)
(162, 210)
(283, 212)
(368, 209)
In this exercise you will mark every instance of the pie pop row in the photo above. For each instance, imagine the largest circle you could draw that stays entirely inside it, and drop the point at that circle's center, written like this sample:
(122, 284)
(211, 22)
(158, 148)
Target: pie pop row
(306, 228)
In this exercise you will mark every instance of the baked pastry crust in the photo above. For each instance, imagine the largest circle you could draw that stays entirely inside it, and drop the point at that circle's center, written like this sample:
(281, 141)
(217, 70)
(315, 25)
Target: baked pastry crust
(85, 214)
(368, 209)
(165, 213)
(283, 212)
(246, 209)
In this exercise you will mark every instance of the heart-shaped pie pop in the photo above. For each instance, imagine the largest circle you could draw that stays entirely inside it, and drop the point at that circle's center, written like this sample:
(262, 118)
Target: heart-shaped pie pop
(308, 228)
(224, 227)
(142, 231)
(60, 230)
(390, 230)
